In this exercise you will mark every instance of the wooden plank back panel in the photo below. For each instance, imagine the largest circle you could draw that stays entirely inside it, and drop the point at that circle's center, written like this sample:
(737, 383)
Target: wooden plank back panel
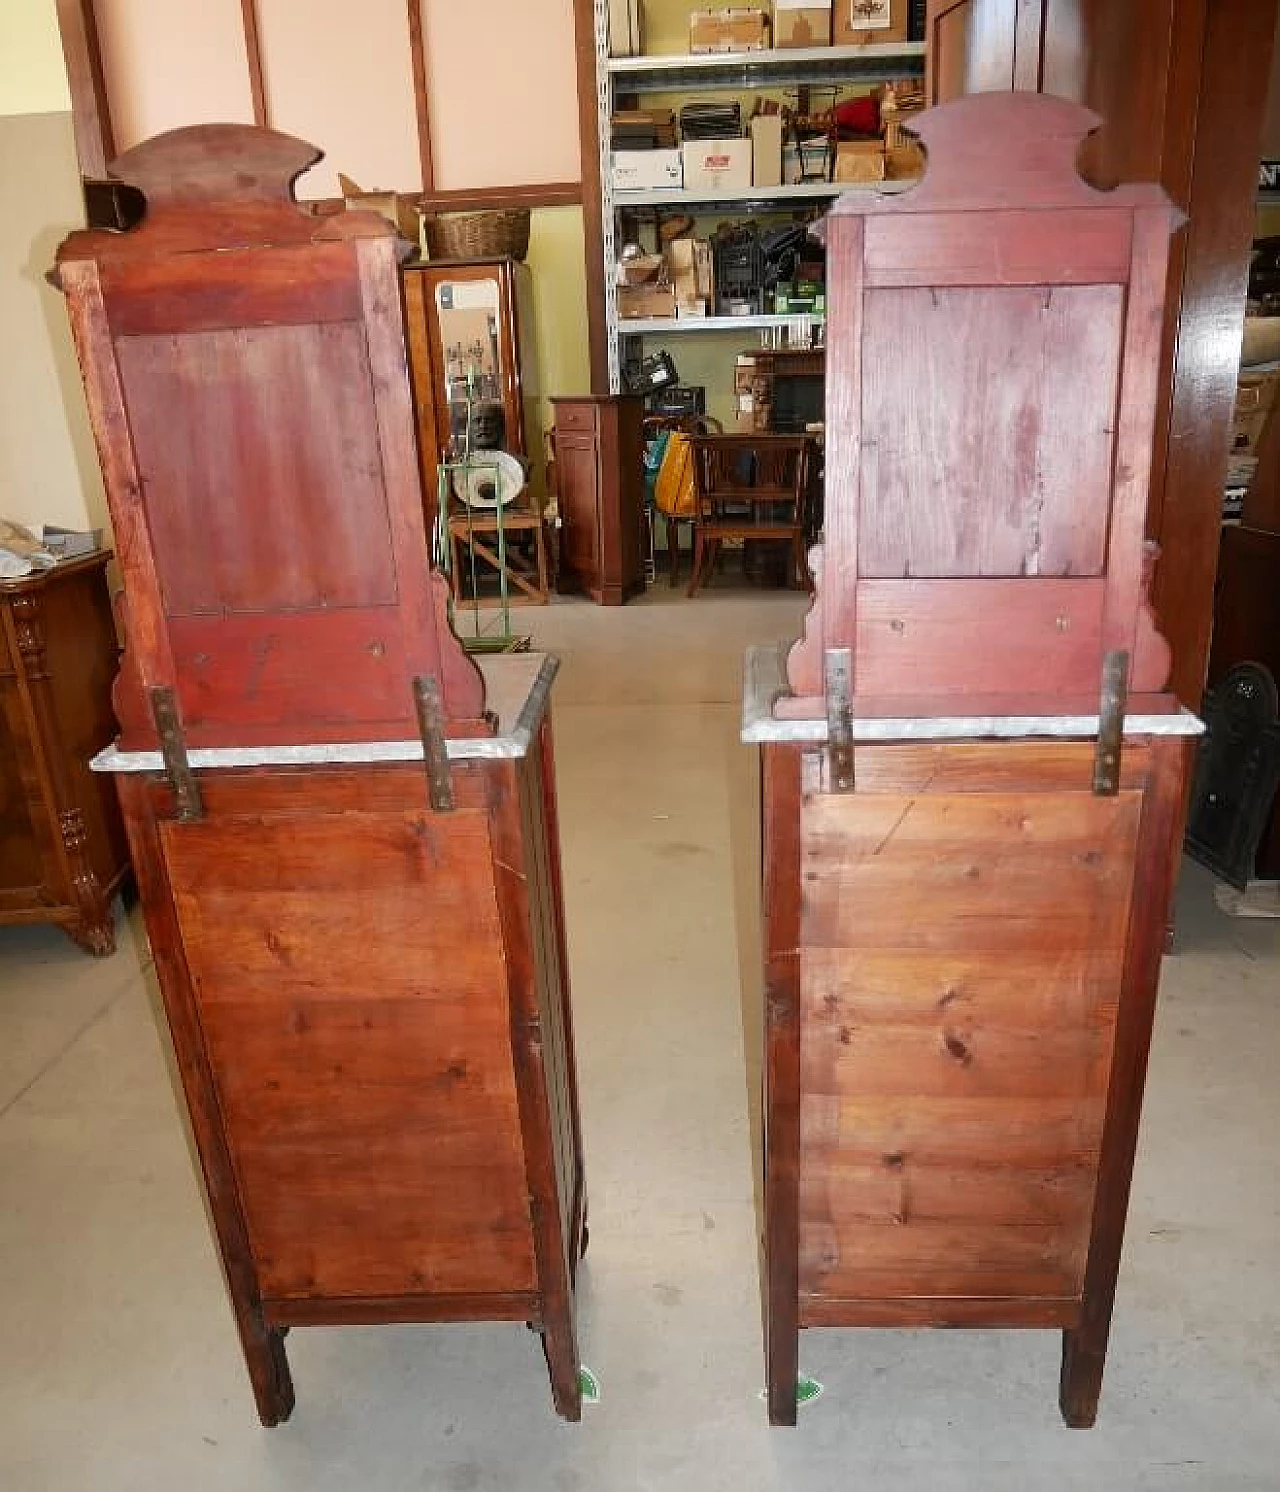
(999, 248)
(955, 1058)
(359, 1037)
(961, 638)
(992, 455)
(238, 432)
(210, 292)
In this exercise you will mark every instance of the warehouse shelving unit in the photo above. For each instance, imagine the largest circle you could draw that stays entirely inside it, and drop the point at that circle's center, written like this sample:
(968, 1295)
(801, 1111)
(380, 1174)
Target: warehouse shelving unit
(724, 72)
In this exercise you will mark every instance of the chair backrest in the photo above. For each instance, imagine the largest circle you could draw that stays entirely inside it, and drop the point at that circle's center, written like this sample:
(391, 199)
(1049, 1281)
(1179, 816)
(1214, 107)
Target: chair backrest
(750, 468)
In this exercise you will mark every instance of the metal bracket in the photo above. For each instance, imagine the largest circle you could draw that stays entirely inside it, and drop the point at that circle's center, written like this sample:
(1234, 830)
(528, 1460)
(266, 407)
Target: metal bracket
(838, 667)
(1115, 697)
(435, 753)
(173, 747)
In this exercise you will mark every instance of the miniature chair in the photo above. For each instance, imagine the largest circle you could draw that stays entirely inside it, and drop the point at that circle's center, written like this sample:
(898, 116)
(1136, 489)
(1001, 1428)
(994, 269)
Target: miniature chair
(752, 488)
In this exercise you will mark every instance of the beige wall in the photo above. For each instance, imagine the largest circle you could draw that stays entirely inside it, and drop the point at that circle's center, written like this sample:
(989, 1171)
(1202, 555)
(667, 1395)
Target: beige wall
(48, 469)
(32, 77)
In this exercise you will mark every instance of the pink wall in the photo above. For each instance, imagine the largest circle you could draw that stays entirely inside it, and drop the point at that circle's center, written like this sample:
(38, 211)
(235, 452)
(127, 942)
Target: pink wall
(503, 92)
(338, 73)
(500, 78)
(191, 68)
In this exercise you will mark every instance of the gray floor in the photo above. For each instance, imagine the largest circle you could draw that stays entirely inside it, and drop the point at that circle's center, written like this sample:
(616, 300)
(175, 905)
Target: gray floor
(120, 1366)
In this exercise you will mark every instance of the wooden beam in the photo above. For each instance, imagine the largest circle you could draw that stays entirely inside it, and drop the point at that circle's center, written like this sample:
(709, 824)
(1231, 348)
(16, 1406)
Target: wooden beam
(418, 55)
(253, 51)
(584, 28)
(90, 113)
(481, 199)
(1186, 516)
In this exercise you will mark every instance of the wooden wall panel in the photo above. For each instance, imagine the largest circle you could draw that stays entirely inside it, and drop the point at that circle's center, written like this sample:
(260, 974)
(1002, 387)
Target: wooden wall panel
(171, 65)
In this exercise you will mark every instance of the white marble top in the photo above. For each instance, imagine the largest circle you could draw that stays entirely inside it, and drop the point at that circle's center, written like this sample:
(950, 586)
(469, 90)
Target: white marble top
(518, 687)
(766, 681)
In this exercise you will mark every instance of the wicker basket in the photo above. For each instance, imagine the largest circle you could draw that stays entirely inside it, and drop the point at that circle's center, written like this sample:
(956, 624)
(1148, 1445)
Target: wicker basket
(479, 235)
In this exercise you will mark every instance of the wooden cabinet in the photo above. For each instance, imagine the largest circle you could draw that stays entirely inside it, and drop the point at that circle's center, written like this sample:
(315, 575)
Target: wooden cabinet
(470, 324)
(599, 451)
(62, 845)
(345, 833)
(973, 772)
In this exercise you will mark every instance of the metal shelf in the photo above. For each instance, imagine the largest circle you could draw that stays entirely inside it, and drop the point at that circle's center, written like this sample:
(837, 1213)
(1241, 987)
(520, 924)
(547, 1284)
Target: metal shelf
(876, 63)
(748, 197)
(680, 325)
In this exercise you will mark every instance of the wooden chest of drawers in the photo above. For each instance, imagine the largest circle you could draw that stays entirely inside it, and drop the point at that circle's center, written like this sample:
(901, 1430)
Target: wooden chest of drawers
(62, 846)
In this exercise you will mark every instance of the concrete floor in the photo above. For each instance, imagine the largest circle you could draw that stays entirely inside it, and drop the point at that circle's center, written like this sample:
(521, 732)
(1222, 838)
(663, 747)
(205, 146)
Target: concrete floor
(120, 1366)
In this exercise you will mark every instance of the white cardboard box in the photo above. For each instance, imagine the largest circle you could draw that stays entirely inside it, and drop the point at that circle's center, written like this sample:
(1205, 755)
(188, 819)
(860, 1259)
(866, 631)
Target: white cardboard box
(717, 165)
(645, 170)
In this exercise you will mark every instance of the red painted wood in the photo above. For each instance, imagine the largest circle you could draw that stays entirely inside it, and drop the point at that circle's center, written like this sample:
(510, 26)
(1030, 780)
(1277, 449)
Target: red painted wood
(993, 352)
(1021, 485)
(253, 417)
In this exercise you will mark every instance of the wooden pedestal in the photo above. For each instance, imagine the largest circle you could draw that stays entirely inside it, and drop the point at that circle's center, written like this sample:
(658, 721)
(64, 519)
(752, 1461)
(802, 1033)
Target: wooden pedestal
(962, 960)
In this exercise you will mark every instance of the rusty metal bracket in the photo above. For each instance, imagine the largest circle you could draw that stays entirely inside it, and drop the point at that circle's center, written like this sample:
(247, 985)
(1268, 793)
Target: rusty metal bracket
(1115, 698)
(838, 667)
(435, 752)
(173, 747)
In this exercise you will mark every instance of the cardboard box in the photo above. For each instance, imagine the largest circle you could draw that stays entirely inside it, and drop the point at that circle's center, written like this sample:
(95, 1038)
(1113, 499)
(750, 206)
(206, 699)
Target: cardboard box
(691, 265)
(861, 23)
(728, 31)
(766, 149)
(645, 170)
(717, 165)
(859, 161)
(904, 162)
(636, 301)
(801, 25)
(625, 38)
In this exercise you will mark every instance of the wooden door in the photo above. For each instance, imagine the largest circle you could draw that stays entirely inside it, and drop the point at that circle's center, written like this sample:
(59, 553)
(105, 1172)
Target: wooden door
(578, 473)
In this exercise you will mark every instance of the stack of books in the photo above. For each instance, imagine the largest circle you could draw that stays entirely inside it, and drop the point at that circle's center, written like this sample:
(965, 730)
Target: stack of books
(643, 129)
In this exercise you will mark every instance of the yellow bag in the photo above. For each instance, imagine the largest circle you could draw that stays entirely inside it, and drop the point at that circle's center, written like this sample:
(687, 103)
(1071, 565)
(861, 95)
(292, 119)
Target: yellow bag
(674, 494)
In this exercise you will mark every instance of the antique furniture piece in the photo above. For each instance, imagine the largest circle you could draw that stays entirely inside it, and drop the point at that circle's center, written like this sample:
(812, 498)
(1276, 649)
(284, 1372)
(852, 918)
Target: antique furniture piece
(1234, 824)
(471, 329)
(62, 845)
(973, 775)
(750, 489)
(345, 834)
(599, 471)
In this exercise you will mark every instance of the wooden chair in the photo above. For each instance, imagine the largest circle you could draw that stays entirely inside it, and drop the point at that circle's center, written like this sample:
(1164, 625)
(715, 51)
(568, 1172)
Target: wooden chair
(700, 424)
(752, 488)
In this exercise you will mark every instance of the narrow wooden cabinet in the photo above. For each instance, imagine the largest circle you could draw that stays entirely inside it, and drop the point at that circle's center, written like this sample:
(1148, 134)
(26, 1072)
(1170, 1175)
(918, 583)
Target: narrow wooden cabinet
(62, 846)
(974, 776)
(345, 834)
(599, 447)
